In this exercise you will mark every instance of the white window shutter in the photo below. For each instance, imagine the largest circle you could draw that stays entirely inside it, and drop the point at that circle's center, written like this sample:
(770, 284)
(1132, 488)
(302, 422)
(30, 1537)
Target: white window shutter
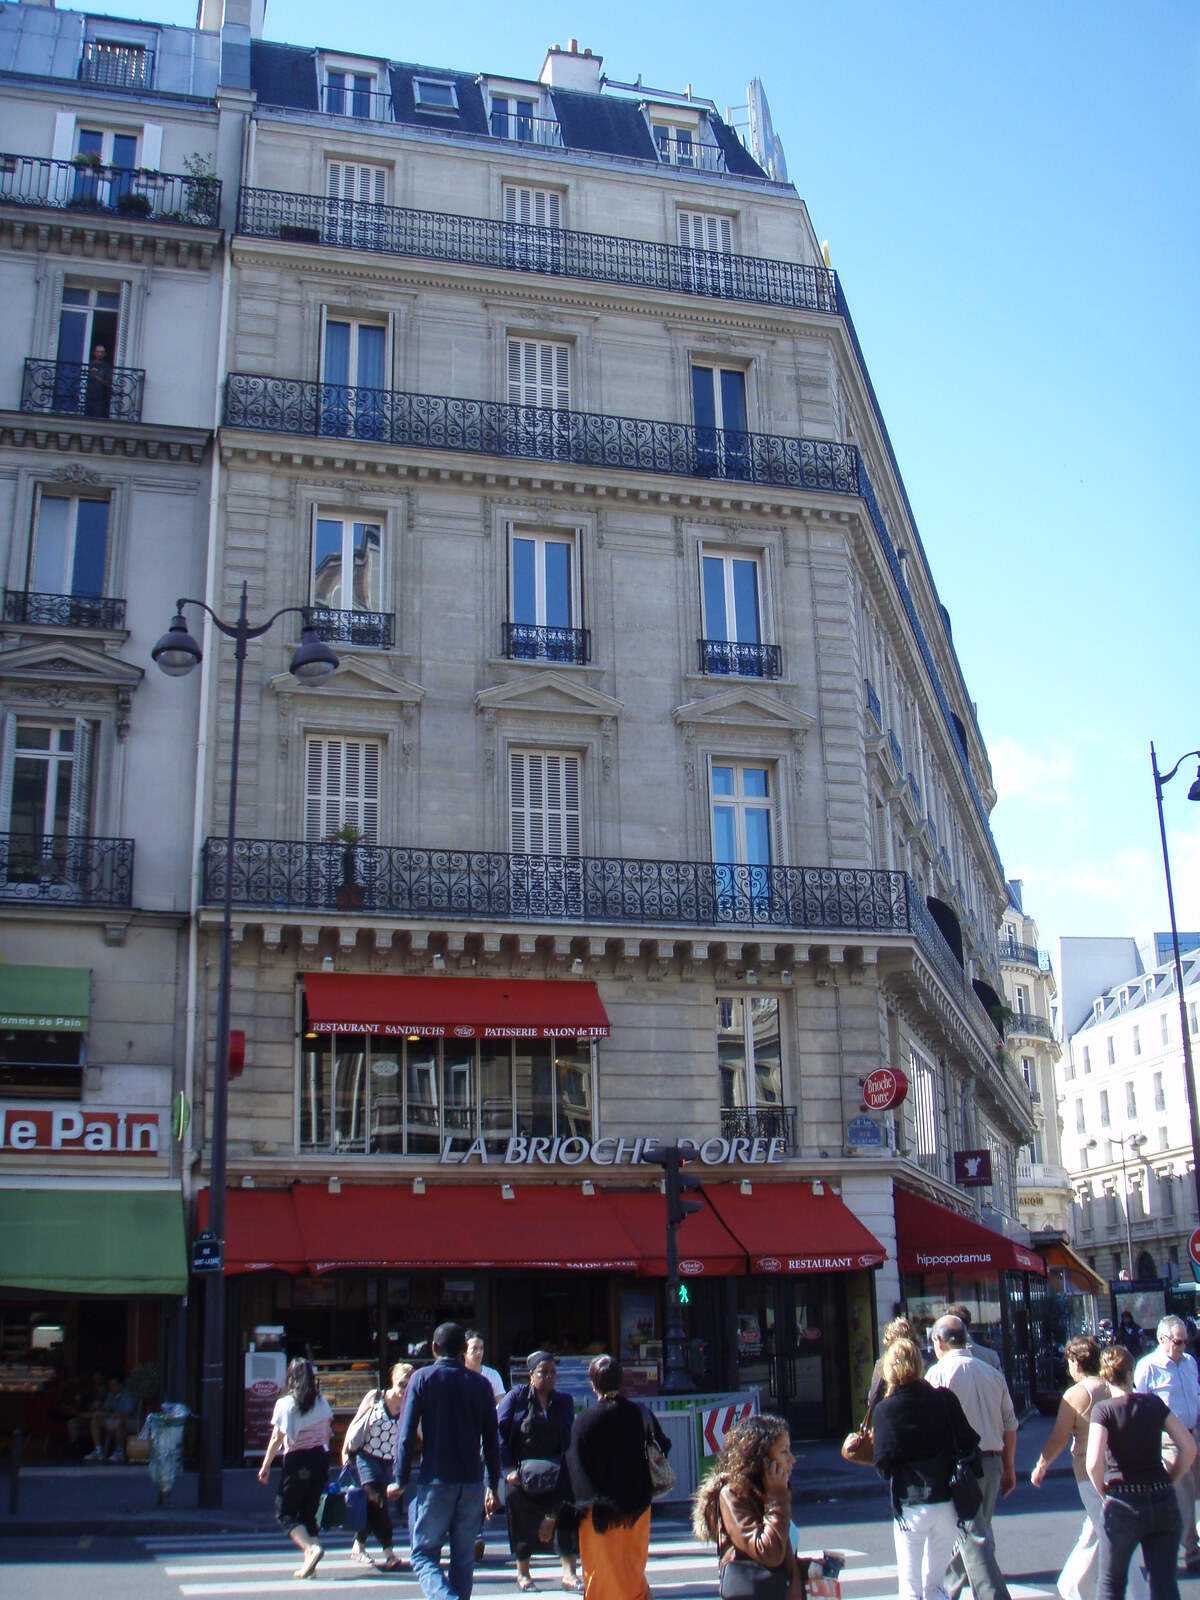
(535, 767)
(333, 181)
(515, 391)
(331, 808)
(352, 784)
(122, 349)
(546, 375)
(81, 772)
(726, 236)
(379, 187)
(370, 792)
(63, 147)
(572, 831)
(313, 809)
(562, 378)
(510, 203)
(517, 789)
(8, 753)
(152, 145)
(553, 209)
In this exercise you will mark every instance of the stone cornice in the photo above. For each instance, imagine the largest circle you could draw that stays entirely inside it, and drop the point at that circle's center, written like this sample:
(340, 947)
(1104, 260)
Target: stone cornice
(89, 236)
(141, 441)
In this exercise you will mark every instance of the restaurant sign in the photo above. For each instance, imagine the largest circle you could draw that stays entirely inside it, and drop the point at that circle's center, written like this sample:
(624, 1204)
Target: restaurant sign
(74, 1130)
(533, 1150)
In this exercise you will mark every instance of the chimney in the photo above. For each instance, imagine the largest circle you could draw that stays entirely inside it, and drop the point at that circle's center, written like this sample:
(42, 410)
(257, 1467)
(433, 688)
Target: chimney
(571, 68)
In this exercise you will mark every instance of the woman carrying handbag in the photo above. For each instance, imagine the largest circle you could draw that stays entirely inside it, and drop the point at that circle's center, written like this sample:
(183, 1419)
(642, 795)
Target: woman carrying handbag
(744, 1506)
(371, 1443)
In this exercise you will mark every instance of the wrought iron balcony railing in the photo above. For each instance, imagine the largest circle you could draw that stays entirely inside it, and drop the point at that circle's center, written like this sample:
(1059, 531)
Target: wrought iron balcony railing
(1030, 1026)
(725, 658)
(123, 191)
(375, 629)
(526, 129)
(63, 610)
(68, 872)
(524, 642)
(763, 1122)
(519, 247)
(690, 153)
(933, 833)
(535, 433)
(83, 389)
(933, 942)
(873, 705)
(897, 752)
(343, 100)
(1027, 954)
(914, 788)
(110, 65)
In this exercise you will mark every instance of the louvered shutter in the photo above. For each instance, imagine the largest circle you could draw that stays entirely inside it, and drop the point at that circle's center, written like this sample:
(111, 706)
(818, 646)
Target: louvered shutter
(8, 756)
(544, 803)
(353, 180)
(314, 812)
(518, 831)
(121, 353)
(539, 374)
(515, 390)
(63, 147)
(539, 208)
(342, 787)
(81, 772)
(360, 802)
(698, 230)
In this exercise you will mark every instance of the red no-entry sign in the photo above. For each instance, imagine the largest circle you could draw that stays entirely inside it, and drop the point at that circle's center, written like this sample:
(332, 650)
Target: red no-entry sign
(1194, 1247)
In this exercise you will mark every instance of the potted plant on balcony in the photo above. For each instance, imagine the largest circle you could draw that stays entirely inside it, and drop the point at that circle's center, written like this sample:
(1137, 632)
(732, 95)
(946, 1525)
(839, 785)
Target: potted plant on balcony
(200, 190)
(131, 204)
(349, 895)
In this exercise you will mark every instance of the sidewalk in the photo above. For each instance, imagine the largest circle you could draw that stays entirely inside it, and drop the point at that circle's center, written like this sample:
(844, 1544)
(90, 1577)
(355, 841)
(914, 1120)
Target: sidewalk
(100, 1499)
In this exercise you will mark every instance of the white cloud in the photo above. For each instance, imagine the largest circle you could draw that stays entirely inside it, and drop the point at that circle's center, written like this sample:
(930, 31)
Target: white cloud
(1045, 777)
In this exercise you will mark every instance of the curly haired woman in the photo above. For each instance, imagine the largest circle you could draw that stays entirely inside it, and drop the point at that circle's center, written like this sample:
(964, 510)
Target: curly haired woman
(744, 1505)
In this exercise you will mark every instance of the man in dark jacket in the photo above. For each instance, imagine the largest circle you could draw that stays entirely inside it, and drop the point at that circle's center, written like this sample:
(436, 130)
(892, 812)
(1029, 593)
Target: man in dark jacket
(455, 1413)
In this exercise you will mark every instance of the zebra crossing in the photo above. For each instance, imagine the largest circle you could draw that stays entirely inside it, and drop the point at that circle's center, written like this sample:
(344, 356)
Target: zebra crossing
(216, 1565)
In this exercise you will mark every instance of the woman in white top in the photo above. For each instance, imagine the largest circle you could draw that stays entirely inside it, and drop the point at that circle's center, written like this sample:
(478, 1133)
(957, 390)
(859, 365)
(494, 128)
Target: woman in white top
(300, 1427)
(375, 1461)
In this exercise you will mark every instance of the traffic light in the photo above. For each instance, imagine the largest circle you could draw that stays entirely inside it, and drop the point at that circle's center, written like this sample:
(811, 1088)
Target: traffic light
(679, 1183)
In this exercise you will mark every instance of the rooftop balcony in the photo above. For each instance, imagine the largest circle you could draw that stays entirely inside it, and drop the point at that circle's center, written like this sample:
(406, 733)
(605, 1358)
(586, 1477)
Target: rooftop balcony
(83, 389)
(347, 100)
(519, 247)
(1027, 954)
(525, 128)
(81, 187)
(109, 65)
(70, 872)
(1030, 1027)
(1042, 1175)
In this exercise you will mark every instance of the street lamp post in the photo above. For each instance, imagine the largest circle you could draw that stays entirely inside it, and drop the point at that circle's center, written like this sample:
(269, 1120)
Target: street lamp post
(1132, 1142)
(177, 653)
(1161, 779)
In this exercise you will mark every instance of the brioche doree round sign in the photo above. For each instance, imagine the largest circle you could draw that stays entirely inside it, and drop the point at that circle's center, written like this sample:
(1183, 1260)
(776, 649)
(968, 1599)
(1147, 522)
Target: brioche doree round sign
(884, 1089)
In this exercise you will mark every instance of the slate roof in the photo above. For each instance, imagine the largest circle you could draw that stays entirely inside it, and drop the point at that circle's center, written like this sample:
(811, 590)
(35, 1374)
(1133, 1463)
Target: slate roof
(607, 127)
(738, 159)
(284, 75)
(471, 116)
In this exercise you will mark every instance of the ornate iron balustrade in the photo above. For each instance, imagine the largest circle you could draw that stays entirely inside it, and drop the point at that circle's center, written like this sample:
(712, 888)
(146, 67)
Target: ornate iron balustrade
(535, 433)
(1028, 954)
(1032, 1027)
(371, 628)
(897, 753)
(71, 186)
(763, 1122)
(116, 66)
(342, 100)
(401, 881)
(933, 942)
(725, 658)
(873, 705)
(525, 129)
(69, 872)
(524, 642)
(520, 247)
(63, 610)
(83, 389)
(914, 789)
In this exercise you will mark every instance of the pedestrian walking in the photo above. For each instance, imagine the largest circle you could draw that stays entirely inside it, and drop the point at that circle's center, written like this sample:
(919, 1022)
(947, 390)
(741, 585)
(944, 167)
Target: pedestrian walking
(300, 1426)
(1169, 1372)
(982, 1352)
(475, 1363)
(897, 1328)
(744, 1507)
(453, 1414)
(610, 1487)
(376, 1424)
(535, 1430)
(1071, 1427)
(1125, 1462)
(987, 1405)
(919, 1435)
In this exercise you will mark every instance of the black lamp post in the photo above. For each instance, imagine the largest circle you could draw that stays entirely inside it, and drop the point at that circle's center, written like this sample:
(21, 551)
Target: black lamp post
(177, 653)
(1160, 780)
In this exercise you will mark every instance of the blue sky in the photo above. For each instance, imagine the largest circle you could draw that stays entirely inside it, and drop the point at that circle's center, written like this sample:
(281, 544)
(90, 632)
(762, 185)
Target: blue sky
(1010, 196)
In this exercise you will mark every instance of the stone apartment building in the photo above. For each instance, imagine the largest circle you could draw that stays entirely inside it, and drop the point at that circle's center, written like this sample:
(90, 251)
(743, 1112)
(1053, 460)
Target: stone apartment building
(647, 802)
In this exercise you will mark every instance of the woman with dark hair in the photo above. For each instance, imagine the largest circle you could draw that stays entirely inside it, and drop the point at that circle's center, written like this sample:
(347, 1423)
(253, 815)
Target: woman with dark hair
(300, 1427)
(1125, 1464)
(1071, 1427)
(920, 1432)
(535, 1429)
(374, 1461)
(744, 1505)
(610, 1487)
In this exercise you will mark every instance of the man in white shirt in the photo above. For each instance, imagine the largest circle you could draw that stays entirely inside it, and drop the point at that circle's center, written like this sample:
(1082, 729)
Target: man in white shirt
(982, 1352)
(1170, 1373)
(475, 1362)
(984, 1397)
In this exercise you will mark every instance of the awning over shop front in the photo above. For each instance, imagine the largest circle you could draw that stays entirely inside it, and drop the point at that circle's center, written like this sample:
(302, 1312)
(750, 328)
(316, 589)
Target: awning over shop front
(262, 1231)
(93, 1241)
(789, 1227)
(455, 1008)
(1079, 1276)
(930, 1238)
(706, 1246)
(48, 999)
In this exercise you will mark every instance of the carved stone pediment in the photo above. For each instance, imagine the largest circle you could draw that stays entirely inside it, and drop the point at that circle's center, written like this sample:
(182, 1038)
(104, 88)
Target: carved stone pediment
(69, 665)
(357, 680)
(548, 694)
(742, 706)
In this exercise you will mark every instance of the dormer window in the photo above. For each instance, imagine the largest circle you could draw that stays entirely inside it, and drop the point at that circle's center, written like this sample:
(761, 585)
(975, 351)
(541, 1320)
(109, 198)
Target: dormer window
(352, 90)
(435, 94)
(116, 64)
(682, 143)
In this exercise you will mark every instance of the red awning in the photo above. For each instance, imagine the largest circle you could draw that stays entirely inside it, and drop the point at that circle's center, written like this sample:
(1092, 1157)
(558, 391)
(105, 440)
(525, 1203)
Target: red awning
(543, 1227)
(455, 1008)
(930, 1238)
(261, 1230)
(788, 1227)
(706, 1246)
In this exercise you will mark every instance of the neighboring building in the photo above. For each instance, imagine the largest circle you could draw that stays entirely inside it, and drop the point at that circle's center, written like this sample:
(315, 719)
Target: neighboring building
(1126, 1131)
(1087, 966)
(1043, 1183)
(648, 802)
(110, 278)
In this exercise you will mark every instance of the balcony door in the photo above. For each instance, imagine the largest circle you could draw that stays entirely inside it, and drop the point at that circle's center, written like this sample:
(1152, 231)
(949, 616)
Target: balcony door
(357, 195)
(543, 598)
(45, 792)
(743, 800)
(731, 597)
(719, 414)
(353, 382)
(545, 832)
(103, 148)
(90, 328)
(70, 547)
(539, 382)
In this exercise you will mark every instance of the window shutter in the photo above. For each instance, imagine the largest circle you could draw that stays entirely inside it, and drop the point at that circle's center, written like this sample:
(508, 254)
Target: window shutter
(63, 147)
(726, 236)
(572, 832)
(540, 208)
(699, 230)
(81, 771)
(8, 753)
(152, 145)
(553, 209)
(370, 792)
(313, 809)
(333, 182)
(544, 803)
(510, 203)
(122, 347)
(535, 812)
(562, 378)
(518, 823)
(515, 389)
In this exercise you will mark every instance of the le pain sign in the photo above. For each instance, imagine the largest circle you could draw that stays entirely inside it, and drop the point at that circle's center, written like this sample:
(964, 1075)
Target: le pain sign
(72, 1130)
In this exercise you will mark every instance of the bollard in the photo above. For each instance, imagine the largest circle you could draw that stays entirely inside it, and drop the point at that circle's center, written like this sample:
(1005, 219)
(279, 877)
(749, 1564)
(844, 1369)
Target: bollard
(14, 1472)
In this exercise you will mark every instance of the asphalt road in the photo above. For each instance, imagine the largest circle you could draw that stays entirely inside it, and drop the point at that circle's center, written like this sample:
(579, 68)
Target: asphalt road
(1034, 1531)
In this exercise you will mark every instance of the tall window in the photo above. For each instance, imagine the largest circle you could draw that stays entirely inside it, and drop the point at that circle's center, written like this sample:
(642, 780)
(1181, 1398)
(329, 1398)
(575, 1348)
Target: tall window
(1131, 1102)
(1160, 1098)
(675, 145)
(1137, 1040)
(742, 802)
(719, 414)
(1104, 1108)
(104, 148)
(543, 593)
(513, 118)
(1087, 1061)
(69, 554)
(539, 374)
(531, 213)
(45, 793)
(731, 605)
(346, 563)
(748, 1053)
(341, 787)
(357, 191)
(1166, 1028)
(1029, 1073)
(544, 804)
(353, 379)
(925, 1118)
(88, 331)
(1080, 1120)
(1112, 1055)
(701, 230)
(1022, 1001)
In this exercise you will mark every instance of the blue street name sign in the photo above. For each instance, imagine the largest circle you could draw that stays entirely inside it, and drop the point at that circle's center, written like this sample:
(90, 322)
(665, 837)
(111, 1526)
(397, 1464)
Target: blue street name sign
(864, 1133)
(206, 1253)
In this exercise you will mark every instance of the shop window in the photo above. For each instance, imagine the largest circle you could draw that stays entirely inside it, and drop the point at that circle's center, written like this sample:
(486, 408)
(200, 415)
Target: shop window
(38, 1064)
(370, 1095)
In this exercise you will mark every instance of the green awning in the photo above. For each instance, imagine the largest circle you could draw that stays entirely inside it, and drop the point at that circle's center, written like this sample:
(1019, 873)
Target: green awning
(51, 998)
(93, 1241)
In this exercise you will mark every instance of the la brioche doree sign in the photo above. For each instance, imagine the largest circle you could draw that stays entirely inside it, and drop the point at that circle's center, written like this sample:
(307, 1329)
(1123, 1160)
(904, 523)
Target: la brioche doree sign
(884, 1089)
(72, 1130)
(532, 1150)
